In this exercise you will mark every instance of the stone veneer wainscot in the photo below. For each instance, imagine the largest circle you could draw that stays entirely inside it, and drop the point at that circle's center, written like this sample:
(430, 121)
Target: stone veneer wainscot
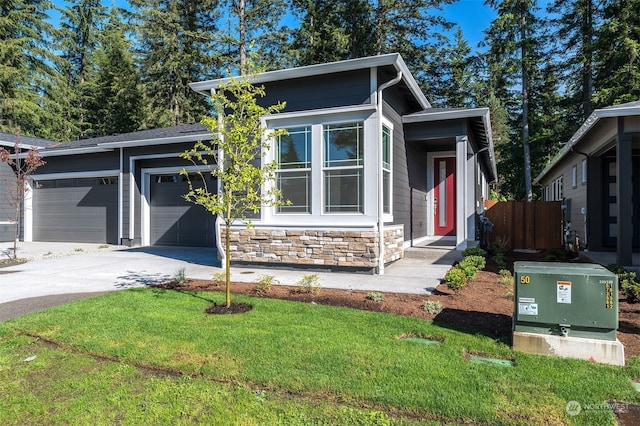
(358, 249)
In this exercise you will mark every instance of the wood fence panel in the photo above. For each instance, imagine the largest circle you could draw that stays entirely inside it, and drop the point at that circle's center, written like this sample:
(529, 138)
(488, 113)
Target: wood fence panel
(526, 225)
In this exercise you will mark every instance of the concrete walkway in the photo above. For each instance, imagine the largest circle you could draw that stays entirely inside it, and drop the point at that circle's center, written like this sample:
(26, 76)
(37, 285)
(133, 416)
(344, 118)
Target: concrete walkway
(81, 269)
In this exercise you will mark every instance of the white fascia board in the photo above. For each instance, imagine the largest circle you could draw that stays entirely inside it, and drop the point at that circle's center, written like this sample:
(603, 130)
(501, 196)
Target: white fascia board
(157, 141)
(426, 116)
(320, 112)
(204, 87)
(20, 145)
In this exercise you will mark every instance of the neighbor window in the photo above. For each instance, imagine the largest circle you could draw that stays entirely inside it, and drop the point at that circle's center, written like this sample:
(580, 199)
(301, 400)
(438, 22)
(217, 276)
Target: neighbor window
(584, 171)
(293, 177)
(556, 190)
(386, 169)
(343, 167)
(574, 176)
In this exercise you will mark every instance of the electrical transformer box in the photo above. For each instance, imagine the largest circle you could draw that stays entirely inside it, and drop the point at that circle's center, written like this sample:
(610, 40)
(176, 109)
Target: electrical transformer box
(566, 299)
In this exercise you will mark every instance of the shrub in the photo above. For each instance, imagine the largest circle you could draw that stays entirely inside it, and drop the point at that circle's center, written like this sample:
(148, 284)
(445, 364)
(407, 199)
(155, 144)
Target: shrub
(629, 283)
(615, 268)
(499, 261)
(555, 254)
(505, 277)
(180, 276)
(455, 279)
(500, 245)
(510, 295)
(376, 296)
(473, 251)
(309, 283)
(478, 261)
(264, 283)
(432, 307)
(219, 278)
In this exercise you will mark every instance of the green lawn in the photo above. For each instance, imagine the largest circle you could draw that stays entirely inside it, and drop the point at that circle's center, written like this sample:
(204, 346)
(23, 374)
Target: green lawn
(148, 356)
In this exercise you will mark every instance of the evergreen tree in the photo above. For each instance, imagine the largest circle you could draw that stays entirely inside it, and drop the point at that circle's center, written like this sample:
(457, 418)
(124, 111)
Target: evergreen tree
(617, 70)
(26, 72)
(458, 88)
(176, 46)
(78, 36)
(254, 29)
(118, 104)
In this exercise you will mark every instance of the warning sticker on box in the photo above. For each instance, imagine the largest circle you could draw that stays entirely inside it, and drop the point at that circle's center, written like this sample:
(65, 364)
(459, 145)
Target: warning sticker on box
(527, 308)
(564, 292)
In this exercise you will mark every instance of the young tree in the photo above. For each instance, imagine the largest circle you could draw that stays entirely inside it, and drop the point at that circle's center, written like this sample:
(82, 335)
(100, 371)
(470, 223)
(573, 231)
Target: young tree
(232, 158)
(16, 188)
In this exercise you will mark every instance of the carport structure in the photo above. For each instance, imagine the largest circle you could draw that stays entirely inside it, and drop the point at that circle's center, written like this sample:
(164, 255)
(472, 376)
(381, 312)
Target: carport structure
(121, 189)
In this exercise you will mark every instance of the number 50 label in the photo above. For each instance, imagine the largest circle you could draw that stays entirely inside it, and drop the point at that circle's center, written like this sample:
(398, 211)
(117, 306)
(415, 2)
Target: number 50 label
(525, 279)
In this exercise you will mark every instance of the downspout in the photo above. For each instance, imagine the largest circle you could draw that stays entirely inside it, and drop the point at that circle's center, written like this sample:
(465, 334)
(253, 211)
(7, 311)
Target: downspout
(380, 177)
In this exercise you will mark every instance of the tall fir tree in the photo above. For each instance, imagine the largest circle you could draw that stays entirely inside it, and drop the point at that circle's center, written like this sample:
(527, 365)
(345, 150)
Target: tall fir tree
(175, 46)
(26, 71)
(77, 38)
(617, 68)
(254, 28)
(118, 106)
(458, 88)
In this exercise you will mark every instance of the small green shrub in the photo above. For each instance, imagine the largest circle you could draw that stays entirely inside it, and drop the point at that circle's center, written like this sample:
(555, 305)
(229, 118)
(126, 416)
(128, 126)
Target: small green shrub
(219, 278)
(467, 265)
(499, 261)
(500, 245)
(432, 307)
(78, 250)
(555, 254)
(629, 283)
(473, 251)
(376, 296)
(615, 268)
(180, 276)
(505, 277)
(103, 246)
(309, 283)
(478, 261)
(264, 283)
(509, 295)
(455, 279)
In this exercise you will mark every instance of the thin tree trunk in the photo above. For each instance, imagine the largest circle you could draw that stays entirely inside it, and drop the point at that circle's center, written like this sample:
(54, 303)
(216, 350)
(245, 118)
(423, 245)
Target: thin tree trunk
(525, 108)
(227, 262)
(242, 37)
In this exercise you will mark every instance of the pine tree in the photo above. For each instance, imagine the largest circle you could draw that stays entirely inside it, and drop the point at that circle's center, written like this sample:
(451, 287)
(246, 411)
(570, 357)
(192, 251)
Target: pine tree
(176, 46)
(255, 29)
(119, 99)
(25, 65)
(458, 88)
(77, 38)
(617, 70)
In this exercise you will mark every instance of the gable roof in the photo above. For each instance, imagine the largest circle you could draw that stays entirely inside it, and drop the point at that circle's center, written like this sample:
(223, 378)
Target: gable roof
(621, 110)
(389, 60)
(26, 142)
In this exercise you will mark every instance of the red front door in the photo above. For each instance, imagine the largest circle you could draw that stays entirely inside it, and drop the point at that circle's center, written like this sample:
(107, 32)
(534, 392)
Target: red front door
(444, 200)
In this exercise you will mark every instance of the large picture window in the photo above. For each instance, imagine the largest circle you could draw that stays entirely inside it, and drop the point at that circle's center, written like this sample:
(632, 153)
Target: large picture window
(343, 167)
(293, 177)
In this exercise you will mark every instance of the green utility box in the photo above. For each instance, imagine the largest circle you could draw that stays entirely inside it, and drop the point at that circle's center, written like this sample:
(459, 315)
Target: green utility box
(566, 299)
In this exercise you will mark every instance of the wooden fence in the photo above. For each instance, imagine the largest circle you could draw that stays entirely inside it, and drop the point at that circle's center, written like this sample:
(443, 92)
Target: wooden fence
(526, 225)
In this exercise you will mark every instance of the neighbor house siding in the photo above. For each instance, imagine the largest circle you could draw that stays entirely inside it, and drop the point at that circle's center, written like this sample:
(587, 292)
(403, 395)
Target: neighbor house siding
(77, 164)
(7, 186)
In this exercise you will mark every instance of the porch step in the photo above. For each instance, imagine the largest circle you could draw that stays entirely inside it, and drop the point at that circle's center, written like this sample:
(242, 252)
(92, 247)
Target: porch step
(433, 254)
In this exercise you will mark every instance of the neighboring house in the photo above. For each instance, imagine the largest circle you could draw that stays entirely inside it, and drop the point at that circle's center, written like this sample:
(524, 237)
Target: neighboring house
(367, 159)
(8, 181)
(597, 175)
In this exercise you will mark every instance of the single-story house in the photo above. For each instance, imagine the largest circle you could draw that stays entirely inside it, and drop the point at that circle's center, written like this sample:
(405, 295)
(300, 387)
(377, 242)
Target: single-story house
(8, 180)
(597, 175)
(374, 162)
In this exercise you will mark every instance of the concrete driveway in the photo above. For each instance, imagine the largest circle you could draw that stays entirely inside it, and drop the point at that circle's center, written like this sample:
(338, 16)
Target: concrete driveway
(66, 269)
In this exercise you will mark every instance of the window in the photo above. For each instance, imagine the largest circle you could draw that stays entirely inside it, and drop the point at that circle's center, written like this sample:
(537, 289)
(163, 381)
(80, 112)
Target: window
(556, 190)
(584, 171)
(386, 169)
(293, 177)
(574, 177)
(343, 167)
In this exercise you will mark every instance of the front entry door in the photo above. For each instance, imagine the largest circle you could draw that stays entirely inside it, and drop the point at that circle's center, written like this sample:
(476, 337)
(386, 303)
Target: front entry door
(444, 200)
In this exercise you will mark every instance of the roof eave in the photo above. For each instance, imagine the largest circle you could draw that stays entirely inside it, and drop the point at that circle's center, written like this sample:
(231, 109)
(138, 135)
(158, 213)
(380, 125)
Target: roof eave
(157, 141)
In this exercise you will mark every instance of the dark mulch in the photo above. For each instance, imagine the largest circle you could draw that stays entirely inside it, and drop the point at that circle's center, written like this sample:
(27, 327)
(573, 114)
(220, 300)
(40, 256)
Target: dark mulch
(235, 308)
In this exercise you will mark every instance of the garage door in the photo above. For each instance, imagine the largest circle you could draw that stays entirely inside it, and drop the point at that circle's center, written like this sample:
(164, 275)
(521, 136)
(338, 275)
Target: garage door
(175, 221)
(81, 210)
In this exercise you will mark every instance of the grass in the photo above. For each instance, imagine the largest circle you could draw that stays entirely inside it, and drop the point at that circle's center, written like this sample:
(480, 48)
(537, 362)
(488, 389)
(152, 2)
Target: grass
(151, 356)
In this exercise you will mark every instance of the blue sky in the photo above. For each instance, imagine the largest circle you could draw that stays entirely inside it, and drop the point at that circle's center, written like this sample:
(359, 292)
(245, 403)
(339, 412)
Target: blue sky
(471, 15)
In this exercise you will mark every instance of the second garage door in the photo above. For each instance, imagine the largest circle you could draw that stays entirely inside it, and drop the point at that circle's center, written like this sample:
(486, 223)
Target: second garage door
(83, 210)
(175, 221)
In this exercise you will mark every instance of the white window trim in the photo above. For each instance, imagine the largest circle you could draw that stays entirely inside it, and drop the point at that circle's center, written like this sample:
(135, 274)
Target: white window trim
(584, 171)
(388, 217)
(317, 119)
(574, 176)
